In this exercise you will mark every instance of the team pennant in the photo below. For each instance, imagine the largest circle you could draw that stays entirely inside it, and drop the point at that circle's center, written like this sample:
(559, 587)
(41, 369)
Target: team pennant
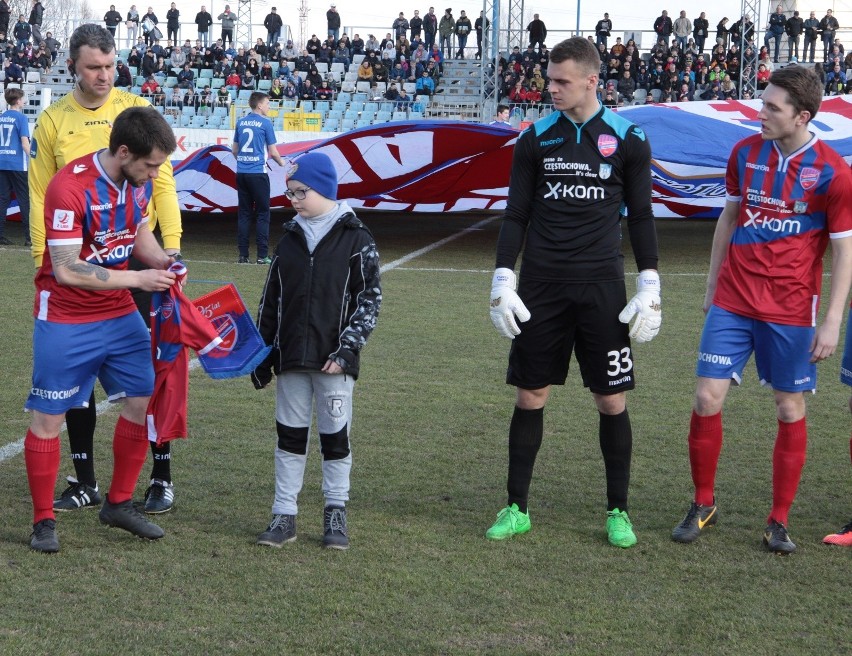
(242, 348)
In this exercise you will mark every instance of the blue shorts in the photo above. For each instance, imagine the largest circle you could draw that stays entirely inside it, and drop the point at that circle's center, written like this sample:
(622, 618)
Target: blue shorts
(69, 357)
(846, 363)
(781, 353)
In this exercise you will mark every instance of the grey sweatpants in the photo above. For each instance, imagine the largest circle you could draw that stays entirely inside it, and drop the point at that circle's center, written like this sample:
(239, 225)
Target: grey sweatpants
(294, 408)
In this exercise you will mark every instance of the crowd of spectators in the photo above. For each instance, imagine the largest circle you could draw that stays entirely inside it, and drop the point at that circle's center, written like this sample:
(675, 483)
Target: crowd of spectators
(685, 64)
(24, 48)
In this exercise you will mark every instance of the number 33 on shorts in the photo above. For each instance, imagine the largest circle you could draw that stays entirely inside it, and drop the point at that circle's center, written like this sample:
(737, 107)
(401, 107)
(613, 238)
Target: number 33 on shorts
(620, 362)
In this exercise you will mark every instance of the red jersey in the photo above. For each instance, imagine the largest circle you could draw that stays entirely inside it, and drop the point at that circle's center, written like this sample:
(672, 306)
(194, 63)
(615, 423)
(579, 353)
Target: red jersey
(175, 324)
(84, 207)
(789, 208)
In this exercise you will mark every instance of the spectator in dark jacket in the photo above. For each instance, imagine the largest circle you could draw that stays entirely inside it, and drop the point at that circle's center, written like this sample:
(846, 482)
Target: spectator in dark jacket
(172, 25)
(537, 31)
(35, 20)
(111, 19)
(124, 76)
(273, 25)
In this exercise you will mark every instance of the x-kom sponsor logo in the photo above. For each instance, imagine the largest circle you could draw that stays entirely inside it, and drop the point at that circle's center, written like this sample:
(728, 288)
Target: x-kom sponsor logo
(558, 190)
(105, 251)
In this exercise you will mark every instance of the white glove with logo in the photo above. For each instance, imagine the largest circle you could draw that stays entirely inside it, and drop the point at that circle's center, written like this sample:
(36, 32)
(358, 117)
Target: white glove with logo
(506, 304)
(647, 305)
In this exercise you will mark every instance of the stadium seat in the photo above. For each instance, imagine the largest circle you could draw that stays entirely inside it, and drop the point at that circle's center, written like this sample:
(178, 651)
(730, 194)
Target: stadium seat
(206, 73)
(331, 125)
(171, 82)
(33, 77)
(322, 67)
(386, 107)
(351, 114)
(357, 59)
(347, 124)
(399, 116)
(362, 123)
(639, 96)
(220, 111)
(363, 87)
(410, 88)
(344, 97)
(371, 107)
(198, 122)
(216, 83)
(335, 113)
(214, 121)
(306, 105)
(264, 85)
(244, 94)
(185, 120)
(322, 106)
(356, 105)
(383, 116)
(170, 119)
(415, 116)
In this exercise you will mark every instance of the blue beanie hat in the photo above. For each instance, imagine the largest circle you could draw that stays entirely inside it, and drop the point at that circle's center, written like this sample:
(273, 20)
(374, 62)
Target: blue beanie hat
(316, 171)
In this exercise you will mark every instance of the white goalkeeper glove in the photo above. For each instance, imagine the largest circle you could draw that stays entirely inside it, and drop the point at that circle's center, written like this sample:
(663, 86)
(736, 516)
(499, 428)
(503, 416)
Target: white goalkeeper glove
(646, 306)
(506, 305)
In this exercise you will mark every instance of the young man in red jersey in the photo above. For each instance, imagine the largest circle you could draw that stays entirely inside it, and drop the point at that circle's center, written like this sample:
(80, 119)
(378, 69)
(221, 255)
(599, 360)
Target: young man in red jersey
(788, 195)
(95, 211)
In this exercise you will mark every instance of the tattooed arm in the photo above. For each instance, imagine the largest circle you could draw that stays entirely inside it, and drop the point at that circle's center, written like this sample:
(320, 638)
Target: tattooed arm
(70, 270)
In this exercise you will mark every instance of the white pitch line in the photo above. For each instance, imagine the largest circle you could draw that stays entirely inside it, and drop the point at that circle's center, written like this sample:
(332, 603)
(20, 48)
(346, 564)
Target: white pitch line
(11, 450)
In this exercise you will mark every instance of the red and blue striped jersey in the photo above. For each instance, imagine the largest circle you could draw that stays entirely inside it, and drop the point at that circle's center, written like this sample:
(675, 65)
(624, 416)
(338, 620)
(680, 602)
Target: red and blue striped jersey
(789, 208)
(84, 207)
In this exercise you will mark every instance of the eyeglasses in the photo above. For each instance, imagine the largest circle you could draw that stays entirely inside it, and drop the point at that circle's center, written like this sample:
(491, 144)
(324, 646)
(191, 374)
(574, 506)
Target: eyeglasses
(298, 194)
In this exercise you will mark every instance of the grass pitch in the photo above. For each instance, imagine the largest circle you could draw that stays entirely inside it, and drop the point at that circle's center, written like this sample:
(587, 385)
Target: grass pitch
(429, 445)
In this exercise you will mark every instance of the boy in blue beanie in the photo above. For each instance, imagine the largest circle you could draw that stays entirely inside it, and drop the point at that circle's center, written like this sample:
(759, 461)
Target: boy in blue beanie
(319, 305)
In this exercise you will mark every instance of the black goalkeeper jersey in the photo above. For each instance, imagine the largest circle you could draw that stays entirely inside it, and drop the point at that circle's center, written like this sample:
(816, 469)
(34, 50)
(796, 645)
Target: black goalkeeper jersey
(568, 187)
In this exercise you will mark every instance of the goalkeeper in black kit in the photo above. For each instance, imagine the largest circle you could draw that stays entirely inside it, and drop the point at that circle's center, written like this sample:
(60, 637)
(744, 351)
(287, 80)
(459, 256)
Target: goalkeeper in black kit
(571, 174)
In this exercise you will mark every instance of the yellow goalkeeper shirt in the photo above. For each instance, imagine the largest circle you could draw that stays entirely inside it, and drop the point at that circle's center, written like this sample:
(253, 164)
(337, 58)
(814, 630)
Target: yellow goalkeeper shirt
(65, 131)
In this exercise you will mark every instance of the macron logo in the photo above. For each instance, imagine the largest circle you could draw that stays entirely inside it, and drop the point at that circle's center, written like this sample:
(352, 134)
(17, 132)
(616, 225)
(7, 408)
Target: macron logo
(79, 168)
(63, 220)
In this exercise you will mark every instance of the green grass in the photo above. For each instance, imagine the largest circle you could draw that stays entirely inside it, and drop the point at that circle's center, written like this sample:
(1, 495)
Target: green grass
(429, 444)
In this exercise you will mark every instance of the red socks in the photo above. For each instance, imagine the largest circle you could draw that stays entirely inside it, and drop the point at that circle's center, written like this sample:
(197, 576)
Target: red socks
(788, 459)
(705, 445)
(129, 449)
(42, 461)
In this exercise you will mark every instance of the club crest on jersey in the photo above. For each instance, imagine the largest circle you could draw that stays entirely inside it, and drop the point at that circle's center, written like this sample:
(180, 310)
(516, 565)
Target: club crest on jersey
(605, 171)
(140, 195)
(808, 177)
(167, 309)
(607, 144)
(63, 220)
(800, 207)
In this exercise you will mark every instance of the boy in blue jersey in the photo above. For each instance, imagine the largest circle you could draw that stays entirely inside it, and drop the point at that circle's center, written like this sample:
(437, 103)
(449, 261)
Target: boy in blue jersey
(14, 154)
(571, 173)
(254, 139)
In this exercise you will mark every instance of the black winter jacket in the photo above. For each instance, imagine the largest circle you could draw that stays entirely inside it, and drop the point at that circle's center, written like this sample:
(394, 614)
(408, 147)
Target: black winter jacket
(321, 305)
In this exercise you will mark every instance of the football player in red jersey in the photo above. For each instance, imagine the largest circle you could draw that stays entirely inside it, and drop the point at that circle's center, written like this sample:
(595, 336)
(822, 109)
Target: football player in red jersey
(788, 195)
(95, 210)
(76, 125)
